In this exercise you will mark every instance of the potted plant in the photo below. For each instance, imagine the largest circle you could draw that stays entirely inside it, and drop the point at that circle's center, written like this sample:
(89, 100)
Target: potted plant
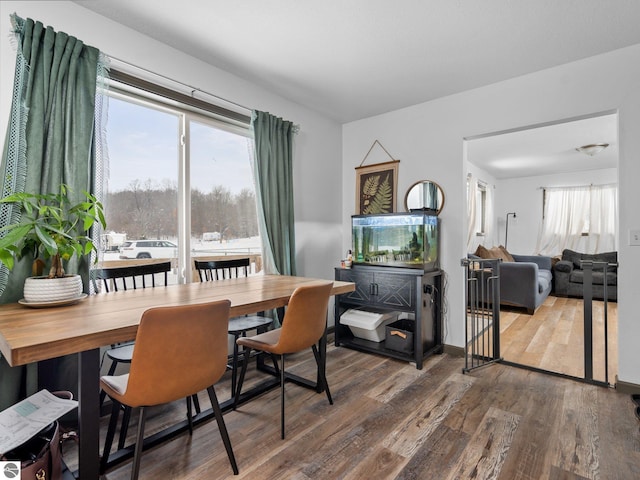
(52, 227)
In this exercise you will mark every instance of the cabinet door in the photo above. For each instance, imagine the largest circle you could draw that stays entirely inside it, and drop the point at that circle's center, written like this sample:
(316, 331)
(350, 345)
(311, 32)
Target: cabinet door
(363, 294)
(395, 291)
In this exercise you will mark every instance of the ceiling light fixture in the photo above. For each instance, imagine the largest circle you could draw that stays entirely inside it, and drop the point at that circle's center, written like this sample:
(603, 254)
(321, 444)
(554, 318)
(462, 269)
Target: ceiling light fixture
(592, 149)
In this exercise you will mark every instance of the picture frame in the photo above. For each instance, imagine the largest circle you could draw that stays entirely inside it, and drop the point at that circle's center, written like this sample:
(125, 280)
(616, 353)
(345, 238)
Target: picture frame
(376, 188)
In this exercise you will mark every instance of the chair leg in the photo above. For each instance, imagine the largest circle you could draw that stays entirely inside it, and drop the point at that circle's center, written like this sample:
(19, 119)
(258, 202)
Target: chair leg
(139, 441)
(322, 376)
(245, 363)
(111, 431)
(223, 428)
(124, 428)
(282, 377)
(189, 415)
(196, 402)
(274, 359)
(234, 364)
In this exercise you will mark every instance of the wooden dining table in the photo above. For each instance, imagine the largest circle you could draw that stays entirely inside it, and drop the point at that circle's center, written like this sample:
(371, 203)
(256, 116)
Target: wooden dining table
(35, 334)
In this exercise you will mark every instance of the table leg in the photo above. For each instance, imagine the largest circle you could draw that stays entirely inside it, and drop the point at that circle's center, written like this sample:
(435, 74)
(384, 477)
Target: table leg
(89, 414)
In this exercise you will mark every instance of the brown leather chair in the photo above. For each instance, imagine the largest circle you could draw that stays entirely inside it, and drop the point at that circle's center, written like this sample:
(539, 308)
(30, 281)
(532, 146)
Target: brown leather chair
(304, 324)
(179, 351)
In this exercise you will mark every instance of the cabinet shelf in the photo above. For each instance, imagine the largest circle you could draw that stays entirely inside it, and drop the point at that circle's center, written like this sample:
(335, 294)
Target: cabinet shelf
(393, 289)
(368, 346)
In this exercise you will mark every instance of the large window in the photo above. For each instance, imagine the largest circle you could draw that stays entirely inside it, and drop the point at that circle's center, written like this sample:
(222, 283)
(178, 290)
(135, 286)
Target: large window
(176, 176)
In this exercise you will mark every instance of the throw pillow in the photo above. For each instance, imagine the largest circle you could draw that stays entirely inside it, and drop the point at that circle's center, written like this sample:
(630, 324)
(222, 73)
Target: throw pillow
(508, 256)
(496, 252)
(482, 252)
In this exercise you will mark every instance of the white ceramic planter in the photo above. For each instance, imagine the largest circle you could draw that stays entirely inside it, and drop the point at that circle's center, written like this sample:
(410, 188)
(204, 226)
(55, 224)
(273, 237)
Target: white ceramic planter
(43, 289)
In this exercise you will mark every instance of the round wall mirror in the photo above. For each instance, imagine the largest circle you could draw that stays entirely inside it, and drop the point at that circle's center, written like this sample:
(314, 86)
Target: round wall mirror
(424, 195)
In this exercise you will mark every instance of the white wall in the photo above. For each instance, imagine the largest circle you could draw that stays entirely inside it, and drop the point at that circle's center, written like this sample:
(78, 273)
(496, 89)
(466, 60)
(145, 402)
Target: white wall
(524, 196)
(428, 139)
(317, 147)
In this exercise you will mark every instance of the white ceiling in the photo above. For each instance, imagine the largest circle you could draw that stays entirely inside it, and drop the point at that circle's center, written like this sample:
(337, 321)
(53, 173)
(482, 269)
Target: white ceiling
(547, 150)
(351, 59)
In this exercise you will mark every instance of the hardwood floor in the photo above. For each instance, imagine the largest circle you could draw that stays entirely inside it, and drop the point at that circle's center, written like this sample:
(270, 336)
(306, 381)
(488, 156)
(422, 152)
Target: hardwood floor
(391, 421)
(553, 337)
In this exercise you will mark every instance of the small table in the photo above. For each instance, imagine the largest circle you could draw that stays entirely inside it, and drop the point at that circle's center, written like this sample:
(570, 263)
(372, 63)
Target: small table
(30, 335)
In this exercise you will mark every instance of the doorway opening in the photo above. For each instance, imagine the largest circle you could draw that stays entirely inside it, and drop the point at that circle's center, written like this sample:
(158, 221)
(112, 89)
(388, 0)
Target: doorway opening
(514, 167)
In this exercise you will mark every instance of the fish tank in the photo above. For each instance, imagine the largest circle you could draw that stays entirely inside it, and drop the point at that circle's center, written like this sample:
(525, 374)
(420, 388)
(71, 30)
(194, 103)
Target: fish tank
(407, 240)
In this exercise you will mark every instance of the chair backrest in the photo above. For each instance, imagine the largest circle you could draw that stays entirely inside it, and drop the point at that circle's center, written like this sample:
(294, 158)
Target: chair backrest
(221, 269)
(179, 351)
(125, 277)
(306, 317)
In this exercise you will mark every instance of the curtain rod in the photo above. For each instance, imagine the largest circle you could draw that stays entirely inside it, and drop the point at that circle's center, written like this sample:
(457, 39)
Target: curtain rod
(580, 186)
(193, 89)
(484, 183)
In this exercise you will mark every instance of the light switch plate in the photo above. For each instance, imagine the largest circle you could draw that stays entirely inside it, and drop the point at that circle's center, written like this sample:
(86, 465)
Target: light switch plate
(634, 238)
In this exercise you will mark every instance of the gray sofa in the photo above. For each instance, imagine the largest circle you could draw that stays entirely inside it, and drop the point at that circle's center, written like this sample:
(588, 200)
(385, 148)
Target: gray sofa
(569, 275)
(525, 282)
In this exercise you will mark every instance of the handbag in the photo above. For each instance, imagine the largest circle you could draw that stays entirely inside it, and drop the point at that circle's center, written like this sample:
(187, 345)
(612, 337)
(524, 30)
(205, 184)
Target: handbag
(40, 457)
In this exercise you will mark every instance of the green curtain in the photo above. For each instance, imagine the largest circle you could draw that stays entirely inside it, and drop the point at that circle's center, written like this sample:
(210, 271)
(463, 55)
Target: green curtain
(274, 191)
(50, 140)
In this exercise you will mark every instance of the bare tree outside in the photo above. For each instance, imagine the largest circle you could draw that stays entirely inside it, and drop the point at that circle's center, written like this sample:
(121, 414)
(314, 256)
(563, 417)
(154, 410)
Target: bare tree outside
(148, 210)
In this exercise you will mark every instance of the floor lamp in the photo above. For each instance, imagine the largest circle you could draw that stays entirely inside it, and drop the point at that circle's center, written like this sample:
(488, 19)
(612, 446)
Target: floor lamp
(506, 228)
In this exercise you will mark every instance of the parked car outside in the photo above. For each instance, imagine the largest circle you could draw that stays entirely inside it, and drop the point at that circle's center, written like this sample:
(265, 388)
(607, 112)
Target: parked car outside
(148, 249)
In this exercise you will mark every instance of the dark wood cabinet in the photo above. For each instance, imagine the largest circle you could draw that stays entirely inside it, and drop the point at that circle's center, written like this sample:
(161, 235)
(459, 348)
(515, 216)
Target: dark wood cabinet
(394, 289)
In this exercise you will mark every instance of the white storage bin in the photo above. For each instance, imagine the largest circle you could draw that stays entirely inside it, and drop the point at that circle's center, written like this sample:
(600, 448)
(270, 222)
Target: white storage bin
(367, 324)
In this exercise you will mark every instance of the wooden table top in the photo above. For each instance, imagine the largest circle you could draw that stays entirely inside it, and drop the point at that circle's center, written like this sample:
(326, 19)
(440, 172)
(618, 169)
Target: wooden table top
(33, 334)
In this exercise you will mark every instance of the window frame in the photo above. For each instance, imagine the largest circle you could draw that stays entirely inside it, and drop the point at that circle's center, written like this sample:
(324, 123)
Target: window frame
(482, 192)
(132, 89)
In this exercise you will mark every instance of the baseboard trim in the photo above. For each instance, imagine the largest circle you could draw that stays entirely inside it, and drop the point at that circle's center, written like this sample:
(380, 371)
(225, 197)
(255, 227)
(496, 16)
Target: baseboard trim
(627, 387)
(453, 350)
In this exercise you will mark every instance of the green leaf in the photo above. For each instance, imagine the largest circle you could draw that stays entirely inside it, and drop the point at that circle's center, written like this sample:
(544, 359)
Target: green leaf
(88, 221)
(14, 236)
(78, 249)
(46, 240)
(101, 217)
(6, 258)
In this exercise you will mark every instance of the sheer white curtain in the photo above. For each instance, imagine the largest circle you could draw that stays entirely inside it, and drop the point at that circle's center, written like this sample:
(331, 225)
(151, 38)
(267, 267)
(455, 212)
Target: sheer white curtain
(472, 193)
(603, 219)
(570, 212)
(489, 219)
